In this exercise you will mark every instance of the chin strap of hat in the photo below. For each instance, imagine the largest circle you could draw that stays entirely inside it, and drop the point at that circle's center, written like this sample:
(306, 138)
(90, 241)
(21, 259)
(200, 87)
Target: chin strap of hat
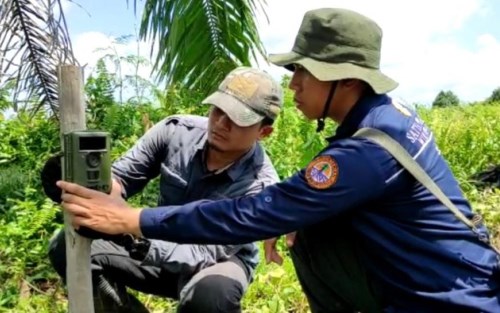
(321, 121)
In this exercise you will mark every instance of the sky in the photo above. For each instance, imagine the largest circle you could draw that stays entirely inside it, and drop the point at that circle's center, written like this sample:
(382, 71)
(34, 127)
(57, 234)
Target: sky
(427, 45)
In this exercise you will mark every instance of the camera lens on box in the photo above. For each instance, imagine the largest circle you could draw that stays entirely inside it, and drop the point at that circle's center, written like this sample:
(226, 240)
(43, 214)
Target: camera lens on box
(93, 159)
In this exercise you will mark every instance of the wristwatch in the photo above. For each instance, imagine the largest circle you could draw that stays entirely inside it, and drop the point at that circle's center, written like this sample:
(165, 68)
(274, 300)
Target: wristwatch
(137, 247)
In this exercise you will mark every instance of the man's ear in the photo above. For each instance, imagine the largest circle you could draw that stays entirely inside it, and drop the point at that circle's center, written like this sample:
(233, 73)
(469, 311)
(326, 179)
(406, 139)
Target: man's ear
(265, 131)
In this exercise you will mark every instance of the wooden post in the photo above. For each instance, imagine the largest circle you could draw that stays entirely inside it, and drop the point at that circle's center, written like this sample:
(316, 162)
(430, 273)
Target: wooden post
(72, 114)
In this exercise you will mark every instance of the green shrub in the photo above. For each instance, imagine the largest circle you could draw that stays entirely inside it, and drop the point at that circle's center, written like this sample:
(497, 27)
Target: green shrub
(495, 96)
(13, 180)
(445, 99)
(469, 138)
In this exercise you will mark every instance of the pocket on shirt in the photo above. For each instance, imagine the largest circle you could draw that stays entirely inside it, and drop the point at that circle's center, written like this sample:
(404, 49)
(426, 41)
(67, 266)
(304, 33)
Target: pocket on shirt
(172, 178)
(172, 186)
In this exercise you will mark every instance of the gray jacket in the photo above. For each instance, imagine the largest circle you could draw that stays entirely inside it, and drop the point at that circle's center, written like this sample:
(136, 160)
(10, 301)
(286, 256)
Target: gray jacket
(173, 149)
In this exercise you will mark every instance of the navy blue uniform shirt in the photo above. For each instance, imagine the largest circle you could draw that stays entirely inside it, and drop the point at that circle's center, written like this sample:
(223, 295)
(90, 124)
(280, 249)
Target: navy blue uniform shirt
(413, 246)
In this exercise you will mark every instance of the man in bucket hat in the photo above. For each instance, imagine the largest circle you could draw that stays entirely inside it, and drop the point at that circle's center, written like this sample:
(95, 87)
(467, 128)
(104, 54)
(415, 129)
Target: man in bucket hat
(338, 45)
(196, 158)
(371, 237)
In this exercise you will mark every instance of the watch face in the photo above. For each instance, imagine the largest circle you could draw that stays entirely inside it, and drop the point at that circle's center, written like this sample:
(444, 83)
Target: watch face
(139, 249)
(127, 241)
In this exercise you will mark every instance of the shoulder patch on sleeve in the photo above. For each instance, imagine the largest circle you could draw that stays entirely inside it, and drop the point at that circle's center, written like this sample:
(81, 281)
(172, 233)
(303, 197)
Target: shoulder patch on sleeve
(322, 172)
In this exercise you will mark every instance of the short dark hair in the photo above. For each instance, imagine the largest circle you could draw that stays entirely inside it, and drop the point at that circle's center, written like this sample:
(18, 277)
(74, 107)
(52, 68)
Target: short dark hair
(368, 90)
(267, 121)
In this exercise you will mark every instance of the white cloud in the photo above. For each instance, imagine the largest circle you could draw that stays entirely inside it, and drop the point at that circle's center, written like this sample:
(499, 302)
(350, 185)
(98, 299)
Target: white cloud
(423, 48)
(89, 47)
(86, 44)
(66, 6)
(421, 43)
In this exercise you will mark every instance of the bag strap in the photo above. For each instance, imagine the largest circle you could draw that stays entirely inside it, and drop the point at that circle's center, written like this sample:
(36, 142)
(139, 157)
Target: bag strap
(406, 160)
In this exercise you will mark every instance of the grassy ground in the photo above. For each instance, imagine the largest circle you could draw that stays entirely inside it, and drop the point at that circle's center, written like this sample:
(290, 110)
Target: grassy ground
(468, 137)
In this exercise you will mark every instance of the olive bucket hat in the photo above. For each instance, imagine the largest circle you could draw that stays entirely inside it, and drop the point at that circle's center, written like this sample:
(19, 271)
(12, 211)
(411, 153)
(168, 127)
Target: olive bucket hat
(335, 44)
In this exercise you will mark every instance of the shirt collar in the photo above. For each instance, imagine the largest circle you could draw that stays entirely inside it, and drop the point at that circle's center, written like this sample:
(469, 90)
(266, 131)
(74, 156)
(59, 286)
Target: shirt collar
(200, 145)
(353, 119)
(234, 169)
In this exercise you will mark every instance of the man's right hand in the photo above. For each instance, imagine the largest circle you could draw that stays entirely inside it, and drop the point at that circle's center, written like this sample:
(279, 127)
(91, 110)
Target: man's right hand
(51, 173)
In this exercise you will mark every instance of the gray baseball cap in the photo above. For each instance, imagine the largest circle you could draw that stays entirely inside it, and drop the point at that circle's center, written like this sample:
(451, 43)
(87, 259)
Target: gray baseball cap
(247, 96)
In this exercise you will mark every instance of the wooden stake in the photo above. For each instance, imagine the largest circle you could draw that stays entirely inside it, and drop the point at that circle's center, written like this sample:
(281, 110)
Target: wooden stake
(72, 114)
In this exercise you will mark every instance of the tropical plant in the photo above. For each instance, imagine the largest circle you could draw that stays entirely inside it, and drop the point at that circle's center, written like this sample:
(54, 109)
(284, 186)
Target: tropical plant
(33, 42)
(4, 96)
(121, 64)
(99, 89)
(468, 137)
(199, 42)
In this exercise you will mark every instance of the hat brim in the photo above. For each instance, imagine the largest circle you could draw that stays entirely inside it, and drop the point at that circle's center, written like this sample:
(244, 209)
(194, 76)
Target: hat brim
(238, 112)
(325, 71)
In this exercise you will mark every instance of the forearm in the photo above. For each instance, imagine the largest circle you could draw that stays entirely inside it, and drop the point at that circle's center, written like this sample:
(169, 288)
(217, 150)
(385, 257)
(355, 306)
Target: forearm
(131, 177)
(279, 209)
(222, 222)
(142, 162)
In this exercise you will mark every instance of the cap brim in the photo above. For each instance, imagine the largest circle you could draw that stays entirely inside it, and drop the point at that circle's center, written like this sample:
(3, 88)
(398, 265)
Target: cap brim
(237, 111)
(329, 72)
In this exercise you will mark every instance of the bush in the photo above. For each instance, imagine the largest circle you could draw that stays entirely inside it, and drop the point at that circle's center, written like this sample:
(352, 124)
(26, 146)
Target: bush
(469, 138)
(12, 183)
(445, 99)
(495, 96)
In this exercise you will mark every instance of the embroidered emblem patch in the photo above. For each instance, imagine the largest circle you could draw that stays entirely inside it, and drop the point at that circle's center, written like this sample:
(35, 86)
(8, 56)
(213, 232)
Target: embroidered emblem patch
(243, 87)
(322, 172)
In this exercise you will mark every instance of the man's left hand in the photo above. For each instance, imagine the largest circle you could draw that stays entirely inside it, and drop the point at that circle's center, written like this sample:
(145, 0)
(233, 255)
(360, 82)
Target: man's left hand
(270, 251)
(99, 211)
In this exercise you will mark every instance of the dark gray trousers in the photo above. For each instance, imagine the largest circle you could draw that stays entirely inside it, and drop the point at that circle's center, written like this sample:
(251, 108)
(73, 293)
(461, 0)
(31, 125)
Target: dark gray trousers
(218, 288)
(326, 260)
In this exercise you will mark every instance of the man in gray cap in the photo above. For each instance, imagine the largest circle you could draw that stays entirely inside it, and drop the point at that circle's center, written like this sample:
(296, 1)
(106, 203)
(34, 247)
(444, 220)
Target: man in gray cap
(196, 158)
(382, 225)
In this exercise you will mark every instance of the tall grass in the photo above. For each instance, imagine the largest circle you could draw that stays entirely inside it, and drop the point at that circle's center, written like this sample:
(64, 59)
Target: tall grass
(468, 137)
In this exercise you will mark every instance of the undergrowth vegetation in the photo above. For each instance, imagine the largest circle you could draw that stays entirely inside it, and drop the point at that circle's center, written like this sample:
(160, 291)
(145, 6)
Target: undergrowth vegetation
(469, 137)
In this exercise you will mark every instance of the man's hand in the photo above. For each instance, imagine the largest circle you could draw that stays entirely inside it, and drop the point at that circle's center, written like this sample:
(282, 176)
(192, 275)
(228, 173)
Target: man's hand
(101, 212)
(270, 251)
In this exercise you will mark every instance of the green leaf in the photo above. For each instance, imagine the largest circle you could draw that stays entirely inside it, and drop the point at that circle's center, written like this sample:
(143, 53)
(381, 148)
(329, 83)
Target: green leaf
(199, 42)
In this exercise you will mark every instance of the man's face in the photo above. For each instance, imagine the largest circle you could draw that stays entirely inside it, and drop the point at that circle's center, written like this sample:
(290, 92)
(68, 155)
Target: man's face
(224, 135)
(310, 93)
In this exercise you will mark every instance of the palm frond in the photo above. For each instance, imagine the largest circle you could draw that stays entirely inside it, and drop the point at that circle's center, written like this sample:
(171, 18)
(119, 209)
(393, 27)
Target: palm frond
(33, 41)
(200, 41)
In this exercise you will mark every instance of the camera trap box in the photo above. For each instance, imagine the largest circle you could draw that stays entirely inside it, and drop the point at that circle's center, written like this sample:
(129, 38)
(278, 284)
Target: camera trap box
(87, 159)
